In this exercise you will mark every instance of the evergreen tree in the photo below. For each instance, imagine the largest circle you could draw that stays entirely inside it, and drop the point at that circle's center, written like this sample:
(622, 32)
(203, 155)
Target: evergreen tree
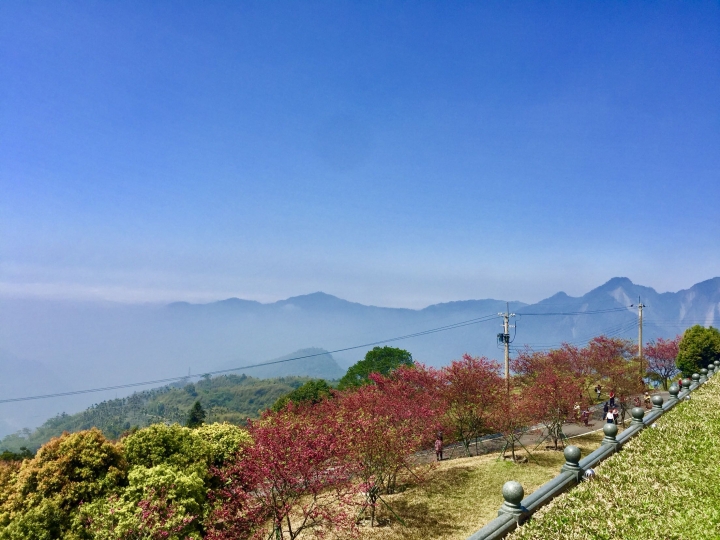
(698, 348)
(196, 416)
(379, 360)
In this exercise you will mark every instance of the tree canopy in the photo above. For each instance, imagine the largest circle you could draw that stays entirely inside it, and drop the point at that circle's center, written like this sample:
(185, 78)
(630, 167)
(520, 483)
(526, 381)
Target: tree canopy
(311, 392)
(698, 347)
(196, 416)
(379, 360)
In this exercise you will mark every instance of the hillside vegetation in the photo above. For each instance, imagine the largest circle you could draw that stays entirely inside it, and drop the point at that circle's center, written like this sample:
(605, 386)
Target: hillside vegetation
(662, 485)
(229, 398)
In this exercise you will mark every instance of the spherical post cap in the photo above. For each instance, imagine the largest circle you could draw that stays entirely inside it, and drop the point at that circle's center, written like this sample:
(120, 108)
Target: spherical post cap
(638, 413)
(686, 383)
(717, 362)
(610, 430)
(513, 492)
(657, 401)
(696, 377)
(703, 371)
(674, 390)
(572, 454)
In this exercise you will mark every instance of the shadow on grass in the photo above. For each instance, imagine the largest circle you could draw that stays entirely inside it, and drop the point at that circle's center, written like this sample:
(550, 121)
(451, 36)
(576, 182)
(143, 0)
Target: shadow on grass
(425, 519)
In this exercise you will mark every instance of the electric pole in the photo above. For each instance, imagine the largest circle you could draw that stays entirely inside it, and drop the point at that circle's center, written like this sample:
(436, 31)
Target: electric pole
(640, 339)
(505, 339)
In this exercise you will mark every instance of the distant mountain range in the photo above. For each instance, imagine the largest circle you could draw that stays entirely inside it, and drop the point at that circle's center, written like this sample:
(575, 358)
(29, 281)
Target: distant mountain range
(54, 346)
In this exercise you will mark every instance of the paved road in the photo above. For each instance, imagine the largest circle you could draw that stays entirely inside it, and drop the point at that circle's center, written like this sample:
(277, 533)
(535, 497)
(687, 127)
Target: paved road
(491, 444)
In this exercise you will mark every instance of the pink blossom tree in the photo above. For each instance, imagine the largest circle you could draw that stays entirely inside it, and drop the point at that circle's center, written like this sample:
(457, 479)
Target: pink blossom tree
(661, 355)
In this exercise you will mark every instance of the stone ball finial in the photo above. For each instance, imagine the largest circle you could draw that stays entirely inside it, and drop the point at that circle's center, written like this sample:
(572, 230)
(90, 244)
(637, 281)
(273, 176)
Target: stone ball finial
(717, 363)
(513, 492)
(686, 383)
(572, 454)
(610, 430)
(674, 390)
(657, 401)
(695, 377)
(637, 413)
(703, 371)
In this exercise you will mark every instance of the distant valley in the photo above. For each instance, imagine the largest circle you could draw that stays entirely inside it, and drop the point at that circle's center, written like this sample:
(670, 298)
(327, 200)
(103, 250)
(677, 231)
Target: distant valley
(52, 346)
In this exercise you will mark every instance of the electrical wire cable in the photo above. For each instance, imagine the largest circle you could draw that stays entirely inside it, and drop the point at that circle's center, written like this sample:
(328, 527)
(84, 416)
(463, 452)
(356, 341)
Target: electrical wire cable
(272, 362)
(166, 380)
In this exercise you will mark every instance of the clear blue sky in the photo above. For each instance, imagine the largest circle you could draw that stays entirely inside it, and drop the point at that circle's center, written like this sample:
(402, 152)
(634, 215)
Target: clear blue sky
(394, 153)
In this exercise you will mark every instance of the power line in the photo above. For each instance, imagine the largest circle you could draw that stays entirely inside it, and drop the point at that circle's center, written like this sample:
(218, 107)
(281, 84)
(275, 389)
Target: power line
(272, 362)
(608, 332)
(591, 312)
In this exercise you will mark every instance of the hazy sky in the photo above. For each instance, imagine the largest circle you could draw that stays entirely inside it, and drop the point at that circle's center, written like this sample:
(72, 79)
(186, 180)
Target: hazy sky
(396, 153)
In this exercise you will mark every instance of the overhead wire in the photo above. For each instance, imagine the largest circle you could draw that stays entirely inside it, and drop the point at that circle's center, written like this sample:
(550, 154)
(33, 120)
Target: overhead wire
(166, 380)
(453, 326)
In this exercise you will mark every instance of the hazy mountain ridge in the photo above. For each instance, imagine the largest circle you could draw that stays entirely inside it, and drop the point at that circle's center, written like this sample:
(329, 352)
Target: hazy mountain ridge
(57, 346)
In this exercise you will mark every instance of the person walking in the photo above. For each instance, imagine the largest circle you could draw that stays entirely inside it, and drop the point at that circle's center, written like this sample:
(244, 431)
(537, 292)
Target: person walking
(606, 407)
(609, 417)
(612, 398)
(586, 417)
(647, 400)
(439, 447)
(598, 391)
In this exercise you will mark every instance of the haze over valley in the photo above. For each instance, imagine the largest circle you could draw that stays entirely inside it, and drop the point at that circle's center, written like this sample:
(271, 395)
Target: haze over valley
(52, 346)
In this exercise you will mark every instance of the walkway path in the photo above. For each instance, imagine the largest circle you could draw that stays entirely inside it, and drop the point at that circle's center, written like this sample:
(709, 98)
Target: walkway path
(495, 443)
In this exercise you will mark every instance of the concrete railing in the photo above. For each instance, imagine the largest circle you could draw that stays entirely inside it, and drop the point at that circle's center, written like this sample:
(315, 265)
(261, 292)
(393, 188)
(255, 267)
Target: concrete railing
(517, 508)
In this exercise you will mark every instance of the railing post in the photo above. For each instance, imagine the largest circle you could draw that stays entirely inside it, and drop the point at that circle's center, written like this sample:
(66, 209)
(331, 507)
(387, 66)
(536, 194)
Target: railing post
(674, 391)
(657, 402)
(703, 375)
(637, 416)
(610, 431)
(711, 370)
(572, 460)
(513, 494)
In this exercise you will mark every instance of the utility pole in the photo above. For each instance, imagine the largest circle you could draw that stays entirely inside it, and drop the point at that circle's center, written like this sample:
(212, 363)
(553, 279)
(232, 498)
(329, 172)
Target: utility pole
(505, 339)
(640, 339)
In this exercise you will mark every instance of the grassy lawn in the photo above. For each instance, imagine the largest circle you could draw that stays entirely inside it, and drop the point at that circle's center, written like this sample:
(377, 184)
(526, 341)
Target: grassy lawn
(665, 484)
(461, 495)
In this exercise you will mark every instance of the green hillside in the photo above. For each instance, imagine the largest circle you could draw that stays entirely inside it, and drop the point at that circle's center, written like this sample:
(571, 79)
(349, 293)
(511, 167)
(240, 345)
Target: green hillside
(229, 398)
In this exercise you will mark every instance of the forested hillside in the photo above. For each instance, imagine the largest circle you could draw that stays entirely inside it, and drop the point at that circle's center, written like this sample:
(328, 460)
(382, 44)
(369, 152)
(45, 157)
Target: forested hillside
(229, 398)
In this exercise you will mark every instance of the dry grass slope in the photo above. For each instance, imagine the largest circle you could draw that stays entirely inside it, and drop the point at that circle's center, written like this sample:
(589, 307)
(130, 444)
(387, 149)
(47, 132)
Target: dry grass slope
(461, 495)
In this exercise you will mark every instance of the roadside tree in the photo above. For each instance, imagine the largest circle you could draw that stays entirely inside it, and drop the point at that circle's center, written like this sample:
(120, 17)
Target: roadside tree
(661, 355)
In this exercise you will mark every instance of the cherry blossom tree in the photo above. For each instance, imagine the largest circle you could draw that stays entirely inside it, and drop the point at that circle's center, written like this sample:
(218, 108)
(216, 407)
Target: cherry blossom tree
(661, 355)
(294, 479)
(383, 424)
(469, 389)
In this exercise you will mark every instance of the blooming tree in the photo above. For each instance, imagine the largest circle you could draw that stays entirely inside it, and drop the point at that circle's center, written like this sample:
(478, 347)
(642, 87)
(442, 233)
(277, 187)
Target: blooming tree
(383, 424)
(469, 389)
(661, 355)
(294, 479)
(553, 389)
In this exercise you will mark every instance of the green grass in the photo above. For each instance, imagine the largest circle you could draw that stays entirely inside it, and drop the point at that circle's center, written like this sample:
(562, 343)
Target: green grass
(664, 484)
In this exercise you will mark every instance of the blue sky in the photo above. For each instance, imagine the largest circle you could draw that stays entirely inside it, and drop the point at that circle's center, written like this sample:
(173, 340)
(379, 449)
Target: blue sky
(393, 153)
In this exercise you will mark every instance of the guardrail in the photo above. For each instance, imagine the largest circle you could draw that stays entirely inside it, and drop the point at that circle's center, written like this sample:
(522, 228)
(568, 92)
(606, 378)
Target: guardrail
(517, 508)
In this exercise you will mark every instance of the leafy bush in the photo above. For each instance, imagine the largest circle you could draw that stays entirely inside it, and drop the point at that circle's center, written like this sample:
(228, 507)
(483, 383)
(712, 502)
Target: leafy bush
(42, 499)
(663, 484)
